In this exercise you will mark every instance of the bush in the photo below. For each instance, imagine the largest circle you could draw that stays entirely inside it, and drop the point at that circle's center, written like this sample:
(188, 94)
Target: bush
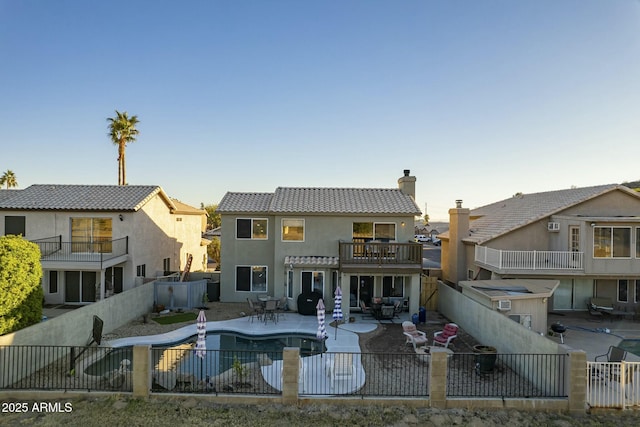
(20, 274)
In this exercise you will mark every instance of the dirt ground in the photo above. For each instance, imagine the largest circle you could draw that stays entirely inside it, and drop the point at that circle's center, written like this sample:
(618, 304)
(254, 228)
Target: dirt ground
(118, 410)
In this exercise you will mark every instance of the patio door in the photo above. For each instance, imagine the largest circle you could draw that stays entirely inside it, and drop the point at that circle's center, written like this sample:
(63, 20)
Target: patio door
(80, 286)
(360, 289)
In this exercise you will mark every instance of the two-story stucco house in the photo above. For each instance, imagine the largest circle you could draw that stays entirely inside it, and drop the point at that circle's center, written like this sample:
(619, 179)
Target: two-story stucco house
(298, 240)
(96, 240)
(587, 238)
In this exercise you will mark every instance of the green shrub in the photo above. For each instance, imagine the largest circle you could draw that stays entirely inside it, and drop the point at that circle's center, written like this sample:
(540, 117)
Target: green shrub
(20, 290)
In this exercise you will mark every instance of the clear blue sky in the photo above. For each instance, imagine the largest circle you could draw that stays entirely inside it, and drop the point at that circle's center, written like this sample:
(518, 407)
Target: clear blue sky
(480, 99)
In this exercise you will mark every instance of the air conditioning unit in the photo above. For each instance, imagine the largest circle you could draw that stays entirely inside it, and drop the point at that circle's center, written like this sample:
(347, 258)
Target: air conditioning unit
(504, 305)
(553, 226)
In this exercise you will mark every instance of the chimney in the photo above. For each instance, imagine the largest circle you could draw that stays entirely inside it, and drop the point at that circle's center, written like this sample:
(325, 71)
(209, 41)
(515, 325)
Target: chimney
(407, 184)
(454, 263)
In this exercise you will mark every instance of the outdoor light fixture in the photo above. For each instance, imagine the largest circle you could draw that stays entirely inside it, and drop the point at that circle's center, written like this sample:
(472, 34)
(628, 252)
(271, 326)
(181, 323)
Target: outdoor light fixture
(121, 217)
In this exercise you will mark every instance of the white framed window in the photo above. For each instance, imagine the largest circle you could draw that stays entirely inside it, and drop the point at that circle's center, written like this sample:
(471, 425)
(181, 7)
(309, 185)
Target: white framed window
(141, 270)
(251, 278)
(611, 242)
(292, 230)
(166, 264)
(252, 228)
(393, 286)
(91, 235)
(290, 284)
(53, 281)
(574, 238)
(623, 290)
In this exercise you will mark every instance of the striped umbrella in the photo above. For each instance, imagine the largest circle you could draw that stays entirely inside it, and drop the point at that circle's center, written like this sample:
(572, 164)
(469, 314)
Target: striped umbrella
(322, 331)
(337, 308)
(201, 343)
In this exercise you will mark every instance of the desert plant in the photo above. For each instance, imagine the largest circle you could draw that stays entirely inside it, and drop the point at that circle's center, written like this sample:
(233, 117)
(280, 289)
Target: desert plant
(240, 369)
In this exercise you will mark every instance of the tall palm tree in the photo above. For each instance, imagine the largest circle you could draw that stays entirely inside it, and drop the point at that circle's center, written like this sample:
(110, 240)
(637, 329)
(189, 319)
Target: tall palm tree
(8, 179)
(122, 130)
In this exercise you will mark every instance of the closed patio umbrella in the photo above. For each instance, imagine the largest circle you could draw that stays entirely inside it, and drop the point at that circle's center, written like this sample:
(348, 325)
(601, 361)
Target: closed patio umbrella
(322, 331)
(201, 343)
(337, 308)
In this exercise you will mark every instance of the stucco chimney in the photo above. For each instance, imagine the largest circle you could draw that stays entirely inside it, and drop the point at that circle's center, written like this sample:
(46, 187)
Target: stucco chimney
(407, 184)
(455, 267)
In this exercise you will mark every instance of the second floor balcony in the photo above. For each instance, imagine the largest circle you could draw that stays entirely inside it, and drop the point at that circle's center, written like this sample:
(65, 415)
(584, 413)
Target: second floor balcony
(542, 262)
(98, 253)
(372, 253)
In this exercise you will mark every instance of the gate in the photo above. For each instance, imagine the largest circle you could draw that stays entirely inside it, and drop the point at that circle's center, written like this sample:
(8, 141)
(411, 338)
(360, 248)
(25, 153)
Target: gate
(613, 384)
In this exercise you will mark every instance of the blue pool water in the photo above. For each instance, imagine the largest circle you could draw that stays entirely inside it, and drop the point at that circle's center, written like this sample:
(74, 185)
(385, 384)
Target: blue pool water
(224, 346)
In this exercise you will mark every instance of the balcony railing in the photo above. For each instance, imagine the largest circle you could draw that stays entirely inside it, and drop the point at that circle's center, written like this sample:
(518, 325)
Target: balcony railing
(54, 249)
(529, 260)
(380, 253)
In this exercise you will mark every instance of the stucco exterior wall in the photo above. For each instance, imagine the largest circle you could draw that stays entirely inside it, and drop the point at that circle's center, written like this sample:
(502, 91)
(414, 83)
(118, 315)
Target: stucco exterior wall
(322, 234)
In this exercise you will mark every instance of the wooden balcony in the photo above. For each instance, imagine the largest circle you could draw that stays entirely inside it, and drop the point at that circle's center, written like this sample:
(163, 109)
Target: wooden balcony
(95, 254)
(380, 254)
(540, 262)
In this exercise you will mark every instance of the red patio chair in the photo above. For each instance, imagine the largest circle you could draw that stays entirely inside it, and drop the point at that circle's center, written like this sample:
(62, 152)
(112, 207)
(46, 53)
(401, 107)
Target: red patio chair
(448, 334)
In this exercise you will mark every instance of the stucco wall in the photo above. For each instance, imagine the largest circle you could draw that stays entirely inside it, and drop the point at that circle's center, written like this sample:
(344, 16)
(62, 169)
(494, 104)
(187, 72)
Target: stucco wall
(74, 328)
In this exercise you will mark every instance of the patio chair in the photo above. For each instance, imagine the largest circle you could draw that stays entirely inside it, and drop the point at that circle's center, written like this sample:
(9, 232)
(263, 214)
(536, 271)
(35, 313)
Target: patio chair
(270, 311)
(448, 334)
(614, 354)
(281, 306)
(397, 309)
(254, 310)
(340, 368)
(365, 310)
(414, 336)
(612, 371)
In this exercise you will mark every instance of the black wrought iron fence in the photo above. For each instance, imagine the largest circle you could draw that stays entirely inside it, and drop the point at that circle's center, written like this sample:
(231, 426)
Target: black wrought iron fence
(507, 375)
(181, 369)
(63, 368)
(365, 374)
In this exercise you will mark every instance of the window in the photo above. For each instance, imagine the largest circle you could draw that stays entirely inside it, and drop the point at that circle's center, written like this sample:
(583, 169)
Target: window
(251, 278)
(290, 284)
(312, 281)
(637, 242)
(141, 270)
(293, 230)
(374, 231)
(166, 264)
(612, 242)
(393, 286)
(53, 282)
(623, 290)
(14, 225)
(251, 228)
(91, 235)
(637, 290)
(384, 232)
(574, 239)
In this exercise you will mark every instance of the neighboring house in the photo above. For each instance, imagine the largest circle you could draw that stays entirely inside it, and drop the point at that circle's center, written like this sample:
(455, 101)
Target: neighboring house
(587, 238)
(97, 240)
(297, 240)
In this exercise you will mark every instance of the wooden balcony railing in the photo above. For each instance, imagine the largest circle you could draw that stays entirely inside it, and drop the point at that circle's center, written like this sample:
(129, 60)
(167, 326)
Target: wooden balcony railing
(54, 249)
(529, 260)
(380, 253)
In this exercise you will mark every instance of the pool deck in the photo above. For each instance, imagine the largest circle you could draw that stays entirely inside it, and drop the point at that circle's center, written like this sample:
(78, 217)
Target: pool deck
(313, 372)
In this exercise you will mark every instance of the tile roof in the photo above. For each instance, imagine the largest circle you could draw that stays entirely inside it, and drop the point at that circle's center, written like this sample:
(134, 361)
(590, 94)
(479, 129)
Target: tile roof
(298, 261)
(322, 200)
(81, 197)
(502, 217)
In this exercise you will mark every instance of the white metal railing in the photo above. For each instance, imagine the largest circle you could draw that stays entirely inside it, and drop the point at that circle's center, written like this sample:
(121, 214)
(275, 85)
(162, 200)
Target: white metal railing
(529, 260)
(613, 384)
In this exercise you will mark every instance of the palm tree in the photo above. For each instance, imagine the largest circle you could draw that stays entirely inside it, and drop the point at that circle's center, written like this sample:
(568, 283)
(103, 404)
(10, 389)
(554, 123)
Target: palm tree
(8, 179)
(122, 130)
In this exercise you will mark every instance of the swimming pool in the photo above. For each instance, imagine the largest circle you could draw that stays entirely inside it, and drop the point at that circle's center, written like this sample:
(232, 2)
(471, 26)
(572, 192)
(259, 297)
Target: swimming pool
(222, 349)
